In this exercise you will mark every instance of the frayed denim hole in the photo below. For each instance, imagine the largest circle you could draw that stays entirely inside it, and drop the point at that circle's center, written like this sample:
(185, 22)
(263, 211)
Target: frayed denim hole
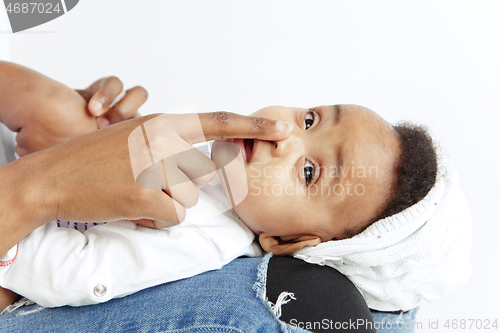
(260, 291)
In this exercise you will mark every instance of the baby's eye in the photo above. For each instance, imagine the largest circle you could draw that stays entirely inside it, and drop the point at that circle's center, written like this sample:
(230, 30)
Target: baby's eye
(310, 118)
(308, 171)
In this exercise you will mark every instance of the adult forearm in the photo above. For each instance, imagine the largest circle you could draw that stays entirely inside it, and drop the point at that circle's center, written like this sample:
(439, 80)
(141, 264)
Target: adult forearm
(23, 204)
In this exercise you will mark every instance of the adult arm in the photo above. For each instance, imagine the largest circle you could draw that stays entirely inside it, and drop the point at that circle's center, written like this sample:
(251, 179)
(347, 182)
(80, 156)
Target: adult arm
(90, 178)
(40, 109)
(45, 113)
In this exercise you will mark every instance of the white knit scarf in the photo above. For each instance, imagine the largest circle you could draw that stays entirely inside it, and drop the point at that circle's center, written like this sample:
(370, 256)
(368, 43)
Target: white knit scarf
(414, 256)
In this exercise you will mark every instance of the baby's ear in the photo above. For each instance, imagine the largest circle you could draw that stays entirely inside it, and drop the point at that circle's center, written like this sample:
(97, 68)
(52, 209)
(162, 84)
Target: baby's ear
(280, 247)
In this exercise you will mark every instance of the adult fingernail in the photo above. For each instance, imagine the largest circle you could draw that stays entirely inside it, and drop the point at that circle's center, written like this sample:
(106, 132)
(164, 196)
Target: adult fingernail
(97, 108)
(284, 126)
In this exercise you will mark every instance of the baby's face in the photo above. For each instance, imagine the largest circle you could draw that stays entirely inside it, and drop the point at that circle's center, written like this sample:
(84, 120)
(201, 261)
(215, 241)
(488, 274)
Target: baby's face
(331, 176)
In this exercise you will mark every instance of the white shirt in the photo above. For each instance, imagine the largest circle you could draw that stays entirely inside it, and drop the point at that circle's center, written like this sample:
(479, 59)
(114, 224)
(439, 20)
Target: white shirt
(56, 266)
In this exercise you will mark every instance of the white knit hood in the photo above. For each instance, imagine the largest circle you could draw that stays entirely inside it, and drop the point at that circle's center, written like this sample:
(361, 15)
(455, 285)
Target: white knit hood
(414, 256)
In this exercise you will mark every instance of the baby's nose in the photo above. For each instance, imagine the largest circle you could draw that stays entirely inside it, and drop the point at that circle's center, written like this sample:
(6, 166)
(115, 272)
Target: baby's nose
(291, 143)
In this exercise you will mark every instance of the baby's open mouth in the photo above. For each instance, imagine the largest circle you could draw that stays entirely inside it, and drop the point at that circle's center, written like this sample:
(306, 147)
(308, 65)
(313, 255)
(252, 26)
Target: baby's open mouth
(248, 148)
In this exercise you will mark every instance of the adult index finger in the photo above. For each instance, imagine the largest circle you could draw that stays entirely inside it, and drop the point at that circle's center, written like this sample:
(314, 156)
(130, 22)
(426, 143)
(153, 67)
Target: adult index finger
(162, 131)
(201, 127)
(220, 125)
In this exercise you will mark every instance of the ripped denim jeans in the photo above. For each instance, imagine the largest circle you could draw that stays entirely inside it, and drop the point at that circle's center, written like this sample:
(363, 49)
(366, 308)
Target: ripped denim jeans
(232, 299)
(227, 300)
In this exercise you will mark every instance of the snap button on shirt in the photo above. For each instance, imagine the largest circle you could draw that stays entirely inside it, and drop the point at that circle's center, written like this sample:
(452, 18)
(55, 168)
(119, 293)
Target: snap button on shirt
(99, 290)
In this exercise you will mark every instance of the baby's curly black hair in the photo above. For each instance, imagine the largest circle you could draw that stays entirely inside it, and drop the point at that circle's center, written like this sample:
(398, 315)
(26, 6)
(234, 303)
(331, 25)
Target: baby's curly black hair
(416, 169)
(415, 172)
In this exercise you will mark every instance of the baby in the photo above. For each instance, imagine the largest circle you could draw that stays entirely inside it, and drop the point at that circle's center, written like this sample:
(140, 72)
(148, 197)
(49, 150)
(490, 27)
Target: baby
(309, 188)
(345, 182)
(376, 200)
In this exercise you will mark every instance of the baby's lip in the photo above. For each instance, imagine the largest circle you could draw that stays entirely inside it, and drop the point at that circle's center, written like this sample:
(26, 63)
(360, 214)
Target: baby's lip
(246, 147)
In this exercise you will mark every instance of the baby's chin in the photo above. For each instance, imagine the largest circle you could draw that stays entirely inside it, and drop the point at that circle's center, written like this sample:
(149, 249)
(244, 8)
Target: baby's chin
(243, 208)
(246, 216)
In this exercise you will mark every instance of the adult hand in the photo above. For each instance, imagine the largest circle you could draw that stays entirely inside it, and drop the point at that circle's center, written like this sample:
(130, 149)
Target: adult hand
(91, 178)
(100, 94)
(45, 113)
(179, 169)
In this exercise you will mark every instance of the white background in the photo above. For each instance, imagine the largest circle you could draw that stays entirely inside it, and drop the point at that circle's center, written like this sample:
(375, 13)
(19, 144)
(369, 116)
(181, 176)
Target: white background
(432, 62)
